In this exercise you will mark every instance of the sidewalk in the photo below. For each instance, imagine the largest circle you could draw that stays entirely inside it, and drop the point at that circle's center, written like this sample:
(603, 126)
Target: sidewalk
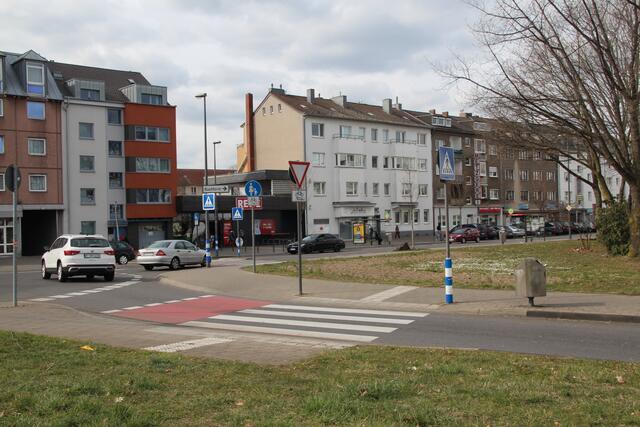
(231, 281)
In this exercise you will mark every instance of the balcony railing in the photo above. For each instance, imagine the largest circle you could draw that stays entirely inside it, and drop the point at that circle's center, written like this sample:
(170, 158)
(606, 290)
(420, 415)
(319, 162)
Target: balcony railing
(403, 141)
(353, 137)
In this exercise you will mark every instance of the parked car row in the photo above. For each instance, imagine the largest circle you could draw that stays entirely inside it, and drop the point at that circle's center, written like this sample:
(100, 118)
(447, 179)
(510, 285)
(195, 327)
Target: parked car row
(558, 228)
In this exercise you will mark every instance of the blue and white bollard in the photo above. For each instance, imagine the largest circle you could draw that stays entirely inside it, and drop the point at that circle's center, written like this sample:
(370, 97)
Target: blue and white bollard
(207, 249)
(216, 248)
(448, 281)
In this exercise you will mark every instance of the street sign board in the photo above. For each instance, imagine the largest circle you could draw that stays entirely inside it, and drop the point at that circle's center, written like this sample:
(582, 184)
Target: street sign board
(298, 196)
(216, 189)
(239, 242)
(446, 163)
(236, 214)
(299, 171)
(243, 202)
(196, 218)
(253, 188)
(208, 201)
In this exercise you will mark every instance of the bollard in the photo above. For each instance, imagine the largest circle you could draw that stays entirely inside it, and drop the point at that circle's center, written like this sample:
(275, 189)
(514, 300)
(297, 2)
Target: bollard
(208, 251)
(448, 281)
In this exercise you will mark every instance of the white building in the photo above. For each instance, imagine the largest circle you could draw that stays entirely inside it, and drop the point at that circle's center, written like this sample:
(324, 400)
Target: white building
(369, 163)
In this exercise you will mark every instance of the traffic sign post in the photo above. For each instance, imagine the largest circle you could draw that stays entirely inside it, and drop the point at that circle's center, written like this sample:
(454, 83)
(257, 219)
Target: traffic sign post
(298, 170)
(253, 190)
(13, 180)
(237, 215)
(216, 189)
(208, 204)
(446, 165)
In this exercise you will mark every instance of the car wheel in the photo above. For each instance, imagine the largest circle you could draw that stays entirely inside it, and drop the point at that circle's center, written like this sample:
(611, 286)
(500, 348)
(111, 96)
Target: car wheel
(463, 240)
(109, 277)
(148, 267)
(203, 263)
(337, 248)
(90, 276)
(45, 275)
(123, 259)
(175, 263)
(62, 277)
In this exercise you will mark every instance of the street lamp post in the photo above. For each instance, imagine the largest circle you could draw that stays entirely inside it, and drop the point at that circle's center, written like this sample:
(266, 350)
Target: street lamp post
(206, 182)
(215, 181)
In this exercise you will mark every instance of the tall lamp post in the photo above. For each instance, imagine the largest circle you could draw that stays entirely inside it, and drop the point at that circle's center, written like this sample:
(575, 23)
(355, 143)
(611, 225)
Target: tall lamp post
(215, 182)
(206, 182)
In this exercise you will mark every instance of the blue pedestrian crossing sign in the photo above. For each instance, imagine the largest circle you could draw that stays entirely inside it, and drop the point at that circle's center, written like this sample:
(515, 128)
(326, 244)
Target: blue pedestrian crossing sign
(445, 163)
(253, 188)
(236, 214)
(208, 201)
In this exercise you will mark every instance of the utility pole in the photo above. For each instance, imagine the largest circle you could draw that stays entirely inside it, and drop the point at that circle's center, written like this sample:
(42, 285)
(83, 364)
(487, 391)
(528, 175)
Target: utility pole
(207, 244)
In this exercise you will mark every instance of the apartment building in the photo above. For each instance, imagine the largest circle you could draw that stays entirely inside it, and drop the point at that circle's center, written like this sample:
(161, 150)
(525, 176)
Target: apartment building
(30, 136)
(370, 163)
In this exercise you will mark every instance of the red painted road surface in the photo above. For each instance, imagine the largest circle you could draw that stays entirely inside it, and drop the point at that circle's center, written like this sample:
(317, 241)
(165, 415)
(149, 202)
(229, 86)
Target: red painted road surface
(185, 311)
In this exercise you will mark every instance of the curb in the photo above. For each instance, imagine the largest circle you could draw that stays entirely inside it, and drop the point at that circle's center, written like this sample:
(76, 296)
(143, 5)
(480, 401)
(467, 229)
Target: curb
(599, 317)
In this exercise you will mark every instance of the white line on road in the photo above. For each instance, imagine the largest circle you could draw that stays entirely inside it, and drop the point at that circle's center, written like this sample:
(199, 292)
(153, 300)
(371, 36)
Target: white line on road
(348, 310)
(329, 316)
(389, 293)
(190, 299)
(42, 299)
(172, 301)
(153, 304)
(287, 322)
(135, 307)
(188, 345)
(60, 296)
(281, 331)
(110, 311)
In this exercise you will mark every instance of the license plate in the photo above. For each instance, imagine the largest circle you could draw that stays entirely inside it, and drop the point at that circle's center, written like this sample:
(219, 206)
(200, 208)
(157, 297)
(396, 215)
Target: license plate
(92, 255)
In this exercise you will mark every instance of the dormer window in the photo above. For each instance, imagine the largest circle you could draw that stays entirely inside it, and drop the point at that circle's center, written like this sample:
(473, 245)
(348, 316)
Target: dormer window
(148, 98)
(90, 94)
(35, 79)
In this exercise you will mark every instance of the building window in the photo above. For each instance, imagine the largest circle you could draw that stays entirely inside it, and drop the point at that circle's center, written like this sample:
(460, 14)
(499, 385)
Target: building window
(90, 94)
(35, 110)
(494, 194)
(422, 138)
(493, 172)
(537, 175)
(400, 136)
(317, 129)
(2, 188)
(350, 160)
(319, 188)
(508, 174)
(86, 130)
(35, 79)
(482, 166)
(264, 111)
(523, 155)
(423, 189)
(397, 217)
(87, 196)
(551, 196)
(115, 148)
(37, 183)
(406, 189)
(365, 189)
(116, 211)
(422, 164)
(387, 189)
(405, 163)
(318, 159)
(385, 135)
(87, 227)
(524, 195)
(590, 196)
(345, 131)
(115, 179)
(1, 103)
(440, 193)
(114, 116)
(480, 146)
(152, 164)
(524, 175)
(425, 215)
(551, 176)
(493, 150)
(467, 180)
(152, 196)
(1, 144)
(361, 133)
(87, 164)
(374, 135)
(352, 188)
(480, 126)
(405, 217)
(484, 192)
(509, 195)
(416, 215)
(148, 98)
(36, 146)
(150, 133)
(467, 161)
(270, 109)
(385, 163)
(375, 189)
(537, 155)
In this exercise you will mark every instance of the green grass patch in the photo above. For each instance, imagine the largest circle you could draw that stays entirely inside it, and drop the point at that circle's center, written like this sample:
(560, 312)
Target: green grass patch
(485, 267)
(48, 381)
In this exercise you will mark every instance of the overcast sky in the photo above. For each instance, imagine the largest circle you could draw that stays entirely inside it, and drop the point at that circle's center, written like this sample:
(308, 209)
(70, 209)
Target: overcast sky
(367, 50)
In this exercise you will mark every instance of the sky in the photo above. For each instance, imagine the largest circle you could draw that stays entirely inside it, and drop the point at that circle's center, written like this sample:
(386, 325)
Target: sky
(368, 50)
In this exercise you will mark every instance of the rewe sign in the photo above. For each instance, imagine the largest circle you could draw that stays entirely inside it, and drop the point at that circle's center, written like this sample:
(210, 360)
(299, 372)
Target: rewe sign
(243, 202)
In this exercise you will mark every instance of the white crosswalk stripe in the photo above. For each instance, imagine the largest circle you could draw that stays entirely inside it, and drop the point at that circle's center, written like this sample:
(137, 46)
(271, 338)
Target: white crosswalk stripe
(329, 323)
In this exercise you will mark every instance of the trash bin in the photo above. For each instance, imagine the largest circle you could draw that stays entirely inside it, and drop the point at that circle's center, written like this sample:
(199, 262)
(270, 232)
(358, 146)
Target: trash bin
(531, 279)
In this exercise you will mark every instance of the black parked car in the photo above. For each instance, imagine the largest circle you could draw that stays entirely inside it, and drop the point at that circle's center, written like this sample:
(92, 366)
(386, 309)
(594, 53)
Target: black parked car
(124, 252)
(317, 243)
(487, 232)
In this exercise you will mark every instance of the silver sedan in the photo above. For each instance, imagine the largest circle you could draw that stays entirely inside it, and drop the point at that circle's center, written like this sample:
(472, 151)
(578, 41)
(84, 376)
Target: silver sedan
(171, 253)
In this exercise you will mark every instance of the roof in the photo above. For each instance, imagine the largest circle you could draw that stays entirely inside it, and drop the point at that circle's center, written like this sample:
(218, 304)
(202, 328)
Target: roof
(31, 56)
(195, 177)
(322, 107)
(113, 80)
(14, 86)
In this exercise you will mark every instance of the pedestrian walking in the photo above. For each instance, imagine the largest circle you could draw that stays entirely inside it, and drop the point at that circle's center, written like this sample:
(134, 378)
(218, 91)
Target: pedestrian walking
(371, 235)
(232, 238)
(439, 232)
(397, 233)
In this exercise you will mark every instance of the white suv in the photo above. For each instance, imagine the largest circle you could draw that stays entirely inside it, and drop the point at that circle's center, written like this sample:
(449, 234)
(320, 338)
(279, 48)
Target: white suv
(79, 255)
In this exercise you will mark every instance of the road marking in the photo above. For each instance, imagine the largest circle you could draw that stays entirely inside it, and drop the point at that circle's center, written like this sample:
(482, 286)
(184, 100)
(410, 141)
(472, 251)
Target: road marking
(347, 310)
(323, 325)
(188, 345)
(60, 296)
(110, 311)
(281, 331)
(172, 301)
(153, 304)
(389, 293)
(329, 316)
(42, 299)
(135, 307)
(189, 299)
(75, 294)
(87, 291)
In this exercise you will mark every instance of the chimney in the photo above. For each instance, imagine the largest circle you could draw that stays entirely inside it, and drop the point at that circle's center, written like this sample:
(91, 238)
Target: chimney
(397, 105)
(445, 113)
(311, 96)
(275, 90)
(432, 111)
(386, 105)
(340, 100)
(250, 135)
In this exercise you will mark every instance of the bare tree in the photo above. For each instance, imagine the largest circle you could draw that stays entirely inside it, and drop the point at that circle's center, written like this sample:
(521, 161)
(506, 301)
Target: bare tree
(572, 66)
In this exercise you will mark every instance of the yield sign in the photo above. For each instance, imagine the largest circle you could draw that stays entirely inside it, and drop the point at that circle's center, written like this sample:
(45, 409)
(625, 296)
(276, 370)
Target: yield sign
(299, 171)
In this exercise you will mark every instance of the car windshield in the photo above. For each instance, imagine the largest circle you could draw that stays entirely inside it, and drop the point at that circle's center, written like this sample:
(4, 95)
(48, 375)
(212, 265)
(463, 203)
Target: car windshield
(89, 242)
(458, 230)
(310, 237)
(160, 244)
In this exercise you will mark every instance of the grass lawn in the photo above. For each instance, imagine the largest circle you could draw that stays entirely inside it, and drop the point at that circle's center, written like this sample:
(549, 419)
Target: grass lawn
(488, 267)
(48, 381)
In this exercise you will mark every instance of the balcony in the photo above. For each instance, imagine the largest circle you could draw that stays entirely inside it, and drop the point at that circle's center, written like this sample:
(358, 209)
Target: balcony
(403, 141)
(348, 138)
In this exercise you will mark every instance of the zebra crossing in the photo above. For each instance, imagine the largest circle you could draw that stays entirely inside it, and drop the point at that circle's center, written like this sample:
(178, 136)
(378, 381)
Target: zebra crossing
(330, 323)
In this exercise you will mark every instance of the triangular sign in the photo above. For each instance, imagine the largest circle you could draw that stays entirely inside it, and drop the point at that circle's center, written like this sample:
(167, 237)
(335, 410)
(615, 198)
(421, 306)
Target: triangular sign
(208, 202)
(237, 214)
(447, 168)
(299, 171)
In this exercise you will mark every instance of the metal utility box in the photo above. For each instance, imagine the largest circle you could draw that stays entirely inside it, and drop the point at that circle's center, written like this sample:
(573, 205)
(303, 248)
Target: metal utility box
(531, 279)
